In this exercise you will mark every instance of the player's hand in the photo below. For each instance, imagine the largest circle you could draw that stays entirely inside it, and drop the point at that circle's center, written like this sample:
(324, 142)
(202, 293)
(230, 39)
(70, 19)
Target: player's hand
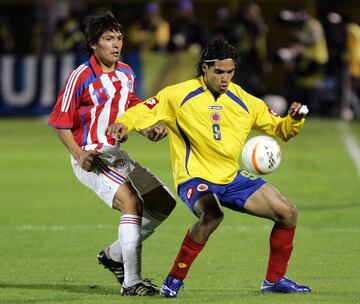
(86, 160)
(295, 112)
(117, 130)
(157, 133)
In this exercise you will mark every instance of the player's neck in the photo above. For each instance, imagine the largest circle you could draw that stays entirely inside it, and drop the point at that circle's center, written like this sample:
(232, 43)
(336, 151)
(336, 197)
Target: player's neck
(105, 66)
(214, 93)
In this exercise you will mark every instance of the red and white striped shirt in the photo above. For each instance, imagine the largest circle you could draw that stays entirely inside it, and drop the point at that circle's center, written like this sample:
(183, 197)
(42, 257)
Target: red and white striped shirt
(91, 100)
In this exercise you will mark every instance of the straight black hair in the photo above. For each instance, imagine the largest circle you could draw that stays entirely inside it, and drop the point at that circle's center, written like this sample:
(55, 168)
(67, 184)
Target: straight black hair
(217, 49)
(97, 25)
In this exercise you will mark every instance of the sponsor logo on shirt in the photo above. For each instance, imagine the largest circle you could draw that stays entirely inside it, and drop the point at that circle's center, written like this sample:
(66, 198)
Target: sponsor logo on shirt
(151, 103)
(130, 85)
(271, 111)
(202, 187)
(217, 108)
(215, 117)
(102, 95)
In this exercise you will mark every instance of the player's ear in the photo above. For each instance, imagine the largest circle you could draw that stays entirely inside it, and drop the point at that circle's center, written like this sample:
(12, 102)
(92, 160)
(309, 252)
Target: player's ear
(203, 67)
(93, 46)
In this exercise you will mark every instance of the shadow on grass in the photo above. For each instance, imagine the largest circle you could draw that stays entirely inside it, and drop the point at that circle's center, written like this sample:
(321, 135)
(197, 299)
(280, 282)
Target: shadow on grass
(86, 289)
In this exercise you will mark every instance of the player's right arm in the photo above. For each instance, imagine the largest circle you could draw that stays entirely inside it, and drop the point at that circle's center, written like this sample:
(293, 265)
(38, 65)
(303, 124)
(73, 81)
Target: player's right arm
(155, 133)
(144, 115)
(62, 119)
(85, 159)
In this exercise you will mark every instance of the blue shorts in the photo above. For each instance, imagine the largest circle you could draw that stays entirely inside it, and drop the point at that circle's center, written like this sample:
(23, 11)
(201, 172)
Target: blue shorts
(232, 195)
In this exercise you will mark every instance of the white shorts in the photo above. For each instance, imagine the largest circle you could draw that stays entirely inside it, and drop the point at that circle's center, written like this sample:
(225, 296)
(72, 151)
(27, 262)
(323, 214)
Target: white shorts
(117, 169)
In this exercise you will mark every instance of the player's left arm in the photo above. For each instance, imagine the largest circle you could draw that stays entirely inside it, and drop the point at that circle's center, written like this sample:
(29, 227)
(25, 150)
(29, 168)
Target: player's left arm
(283, 128)
(145, 115)
(297, 110)
(155, 133)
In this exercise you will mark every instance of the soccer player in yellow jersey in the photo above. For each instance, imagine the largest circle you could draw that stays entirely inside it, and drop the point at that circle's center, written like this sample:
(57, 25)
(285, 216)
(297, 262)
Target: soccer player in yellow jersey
(208, 120)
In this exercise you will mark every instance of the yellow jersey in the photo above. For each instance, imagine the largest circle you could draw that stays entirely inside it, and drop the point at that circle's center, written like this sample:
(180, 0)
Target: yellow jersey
(207, 134)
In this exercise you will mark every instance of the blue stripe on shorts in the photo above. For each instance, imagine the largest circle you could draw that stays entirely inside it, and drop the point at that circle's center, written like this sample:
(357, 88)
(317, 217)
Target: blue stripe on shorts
(232, 195)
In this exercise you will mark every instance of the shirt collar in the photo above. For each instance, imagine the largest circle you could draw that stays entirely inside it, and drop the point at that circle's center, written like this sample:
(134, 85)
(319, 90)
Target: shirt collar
(205, 88)
(202, 83)
(96, 68)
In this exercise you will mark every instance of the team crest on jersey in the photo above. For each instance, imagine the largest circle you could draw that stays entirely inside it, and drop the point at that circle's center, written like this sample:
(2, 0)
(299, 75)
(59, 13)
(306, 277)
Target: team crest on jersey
(101, 94)
(151, 103)
(216, 108)
(271, 111)
(190, 192)
(202, 187)
(130, 85)
(215, 117)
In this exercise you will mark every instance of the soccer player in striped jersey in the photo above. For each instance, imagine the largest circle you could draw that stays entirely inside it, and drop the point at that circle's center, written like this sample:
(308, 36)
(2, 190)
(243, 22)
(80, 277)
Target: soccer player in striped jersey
(95, 94)
(208, 120)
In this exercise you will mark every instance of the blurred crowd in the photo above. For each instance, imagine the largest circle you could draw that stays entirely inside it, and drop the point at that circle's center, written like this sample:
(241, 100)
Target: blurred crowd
(321, 59)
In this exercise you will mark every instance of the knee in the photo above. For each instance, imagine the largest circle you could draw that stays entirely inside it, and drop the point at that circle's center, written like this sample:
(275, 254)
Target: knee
(212, 219)
(289, 216)
(133, 204)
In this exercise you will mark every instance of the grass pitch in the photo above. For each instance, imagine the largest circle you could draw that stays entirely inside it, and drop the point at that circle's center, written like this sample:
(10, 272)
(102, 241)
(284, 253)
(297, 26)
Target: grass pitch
(52, 227)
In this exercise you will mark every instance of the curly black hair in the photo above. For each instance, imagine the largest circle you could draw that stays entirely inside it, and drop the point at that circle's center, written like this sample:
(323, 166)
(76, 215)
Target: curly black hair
(217, 49)
(97, 25)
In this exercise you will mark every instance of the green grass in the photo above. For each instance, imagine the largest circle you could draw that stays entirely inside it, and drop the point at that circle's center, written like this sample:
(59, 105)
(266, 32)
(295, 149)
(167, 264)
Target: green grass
(52, 227)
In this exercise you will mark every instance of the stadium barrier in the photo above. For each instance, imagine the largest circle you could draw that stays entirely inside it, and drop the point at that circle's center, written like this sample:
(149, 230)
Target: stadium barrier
(30, 83)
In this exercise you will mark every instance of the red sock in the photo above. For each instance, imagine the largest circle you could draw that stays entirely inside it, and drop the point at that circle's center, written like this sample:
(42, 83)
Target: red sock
(188, 252)
(281, 245)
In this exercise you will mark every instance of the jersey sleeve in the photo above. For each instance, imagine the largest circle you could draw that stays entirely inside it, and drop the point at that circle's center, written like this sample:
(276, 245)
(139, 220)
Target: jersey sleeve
(62, 115)
(146, 114)
(268, 122)
(133, 101)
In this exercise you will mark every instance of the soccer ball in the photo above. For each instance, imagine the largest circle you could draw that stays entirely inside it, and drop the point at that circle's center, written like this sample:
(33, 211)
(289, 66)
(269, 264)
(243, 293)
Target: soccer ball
(261, 155)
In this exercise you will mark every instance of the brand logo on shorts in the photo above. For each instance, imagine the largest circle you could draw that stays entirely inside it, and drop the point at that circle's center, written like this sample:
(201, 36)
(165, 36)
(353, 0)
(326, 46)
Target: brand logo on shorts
(121, 163)
(202, 187)
(190, 193)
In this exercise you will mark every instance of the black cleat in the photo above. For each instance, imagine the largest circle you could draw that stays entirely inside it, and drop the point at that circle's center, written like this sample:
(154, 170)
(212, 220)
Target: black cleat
(144, 288)
(116, 268)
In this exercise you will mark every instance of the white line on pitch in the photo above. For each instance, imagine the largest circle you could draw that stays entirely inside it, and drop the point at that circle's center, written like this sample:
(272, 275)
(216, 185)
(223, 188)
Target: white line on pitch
(243, 228)
(350, 144)
(62, 227)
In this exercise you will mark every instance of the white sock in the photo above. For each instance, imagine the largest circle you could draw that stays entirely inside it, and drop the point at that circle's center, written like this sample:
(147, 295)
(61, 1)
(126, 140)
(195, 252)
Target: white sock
(130, 242)
(150, 220)
(115, 252)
